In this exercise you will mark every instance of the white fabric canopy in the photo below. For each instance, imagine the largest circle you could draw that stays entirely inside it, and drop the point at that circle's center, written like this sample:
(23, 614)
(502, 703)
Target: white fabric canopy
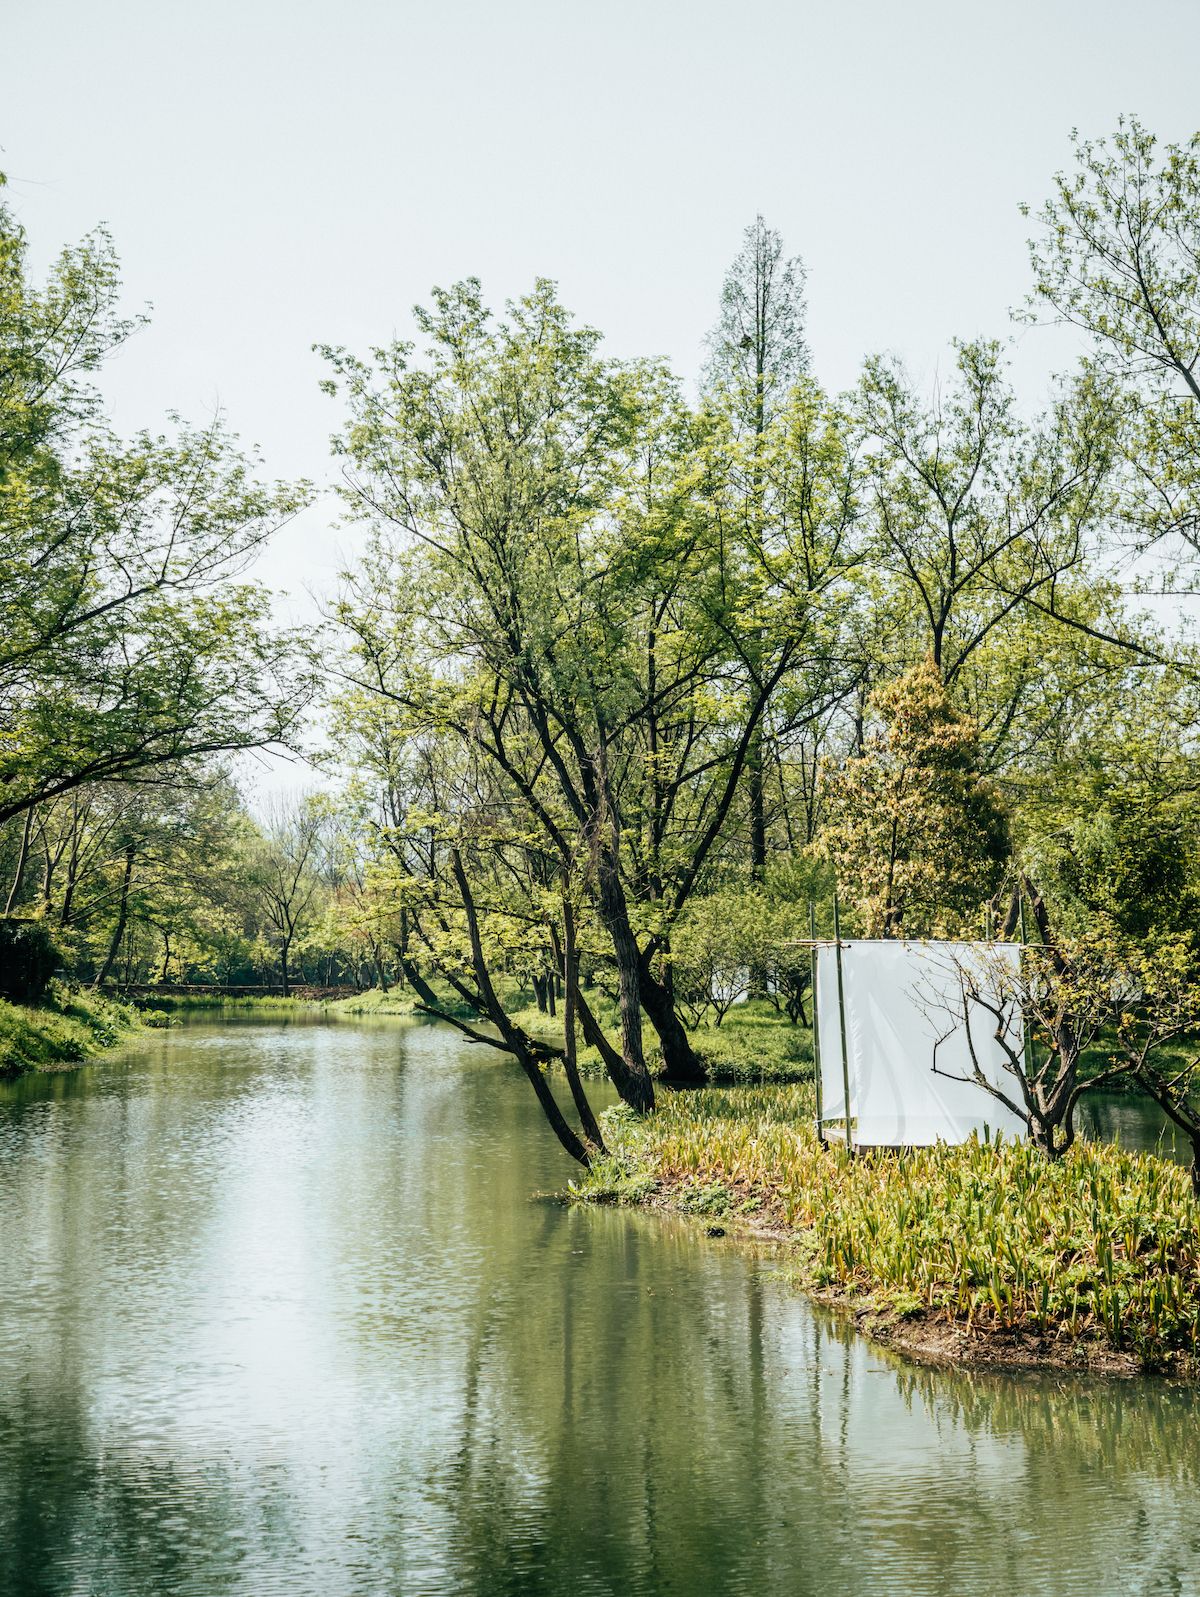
(900, 1000)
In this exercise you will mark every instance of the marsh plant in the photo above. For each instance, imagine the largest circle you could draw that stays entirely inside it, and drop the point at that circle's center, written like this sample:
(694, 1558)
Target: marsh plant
(1099, 1247)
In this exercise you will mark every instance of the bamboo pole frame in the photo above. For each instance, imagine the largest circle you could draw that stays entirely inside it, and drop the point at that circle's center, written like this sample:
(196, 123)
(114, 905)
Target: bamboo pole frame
(841, 992)
(1026, 1058)
(816, 1032)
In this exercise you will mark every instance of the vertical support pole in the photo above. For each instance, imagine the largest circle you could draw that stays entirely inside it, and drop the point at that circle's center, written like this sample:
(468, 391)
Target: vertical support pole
(1025, 1044)
(837, 942)
(816, 1030)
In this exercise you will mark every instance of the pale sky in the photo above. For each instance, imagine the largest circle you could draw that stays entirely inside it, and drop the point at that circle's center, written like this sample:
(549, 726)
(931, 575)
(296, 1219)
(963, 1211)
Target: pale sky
(279, 173)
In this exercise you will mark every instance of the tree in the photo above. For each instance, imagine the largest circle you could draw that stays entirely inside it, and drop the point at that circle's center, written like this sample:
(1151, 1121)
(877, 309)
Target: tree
(1107, 818)
(723, 937)
(915, 837)
(757, 350)
(978, 516)
(757, 356)
(285, 874)
(126, 644)
(716, 942)
(548, 587)
(1119, 257)
(1064, 993)
(1136, 998)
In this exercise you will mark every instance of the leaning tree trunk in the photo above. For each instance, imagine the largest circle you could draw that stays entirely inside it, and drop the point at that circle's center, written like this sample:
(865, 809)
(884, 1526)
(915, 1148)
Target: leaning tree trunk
(633, 1082)
(407, 966)
(18, 880)
(570, 963)
(513, 1039)
(681, 1063)
(1178, 1112)
(417, 982)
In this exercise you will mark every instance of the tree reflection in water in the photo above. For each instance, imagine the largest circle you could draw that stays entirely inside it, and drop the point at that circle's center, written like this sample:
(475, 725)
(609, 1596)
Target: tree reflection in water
(281, 1316)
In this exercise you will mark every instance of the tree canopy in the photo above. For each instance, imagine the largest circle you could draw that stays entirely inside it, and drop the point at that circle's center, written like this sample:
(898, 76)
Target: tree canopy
(624, 675)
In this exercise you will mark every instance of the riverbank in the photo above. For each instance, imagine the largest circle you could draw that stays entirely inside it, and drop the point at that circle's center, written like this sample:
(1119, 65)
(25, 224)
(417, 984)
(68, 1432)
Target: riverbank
(754, 1045)
(67, 1029)
(981, 1254)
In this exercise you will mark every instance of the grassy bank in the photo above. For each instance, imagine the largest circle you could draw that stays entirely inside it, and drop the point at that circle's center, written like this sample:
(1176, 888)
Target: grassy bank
(754, 1045)
(181, 1003)
(66, 1029)
(399, 1001)
(978, 1253)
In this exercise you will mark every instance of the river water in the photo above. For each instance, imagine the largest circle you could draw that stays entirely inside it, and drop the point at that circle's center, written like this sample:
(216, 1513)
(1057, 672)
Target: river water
(282, 1312)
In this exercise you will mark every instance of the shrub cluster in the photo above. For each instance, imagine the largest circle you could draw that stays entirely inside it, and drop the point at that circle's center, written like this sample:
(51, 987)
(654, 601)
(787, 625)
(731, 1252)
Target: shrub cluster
(28, 959)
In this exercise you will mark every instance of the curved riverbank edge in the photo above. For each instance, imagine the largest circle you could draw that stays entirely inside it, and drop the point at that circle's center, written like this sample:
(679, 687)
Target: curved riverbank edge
(70, 1028)
(920, 1337)
(984, 1256)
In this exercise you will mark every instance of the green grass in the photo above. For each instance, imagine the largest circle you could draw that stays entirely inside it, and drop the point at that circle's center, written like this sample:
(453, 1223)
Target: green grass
(178, 1002)
(755, 1044)
(1098, 1251)
(67, 1029)
(397, 1001)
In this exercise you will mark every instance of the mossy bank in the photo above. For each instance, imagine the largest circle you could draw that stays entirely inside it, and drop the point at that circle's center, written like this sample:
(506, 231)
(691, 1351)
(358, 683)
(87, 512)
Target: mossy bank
(978, 1254)
(66, 1029)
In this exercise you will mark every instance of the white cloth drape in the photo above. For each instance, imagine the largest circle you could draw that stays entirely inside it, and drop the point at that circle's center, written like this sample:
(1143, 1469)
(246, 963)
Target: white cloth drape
(902, 999)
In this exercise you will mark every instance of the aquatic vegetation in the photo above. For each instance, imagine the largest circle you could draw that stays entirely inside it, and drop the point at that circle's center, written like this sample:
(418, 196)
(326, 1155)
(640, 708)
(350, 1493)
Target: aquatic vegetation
(1101, 1247)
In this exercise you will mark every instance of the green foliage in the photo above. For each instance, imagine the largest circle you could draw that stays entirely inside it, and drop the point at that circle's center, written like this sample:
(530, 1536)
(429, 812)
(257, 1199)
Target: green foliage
(757, 349)
(1131, 861)
(126, 644)
(1112, 827)
(1118, 256)
(1100, 1248)
(68, 1028)
(917, 839)
(716, 942)
(28, 959)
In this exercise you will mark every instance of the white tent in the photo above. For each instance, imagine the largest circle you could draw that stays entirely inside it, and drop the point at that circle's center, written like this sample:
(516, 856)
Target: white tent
(901, 1000)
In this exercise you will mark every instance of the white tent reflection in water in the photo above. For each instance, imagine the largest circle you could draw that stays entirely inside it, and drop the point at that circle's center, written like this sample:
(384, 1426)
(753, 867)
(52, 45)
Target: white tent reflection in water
(915, 1038)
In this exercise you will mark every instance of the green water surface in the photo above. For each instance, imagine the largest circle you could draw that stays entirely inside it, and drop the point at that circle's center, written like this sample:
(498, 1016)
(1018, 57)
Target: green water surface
(281, 1313)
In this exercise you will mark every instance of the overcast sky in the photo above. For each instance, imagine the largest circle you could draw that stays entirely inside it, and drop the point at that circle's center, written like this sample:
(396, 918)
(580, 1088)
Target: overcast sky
(277, 172)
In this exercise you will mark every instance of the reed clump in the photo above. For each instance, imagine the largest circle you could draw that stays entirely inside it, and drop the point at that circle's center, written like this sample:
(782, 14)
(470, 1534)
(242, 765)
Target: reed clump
(1100, 1248)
